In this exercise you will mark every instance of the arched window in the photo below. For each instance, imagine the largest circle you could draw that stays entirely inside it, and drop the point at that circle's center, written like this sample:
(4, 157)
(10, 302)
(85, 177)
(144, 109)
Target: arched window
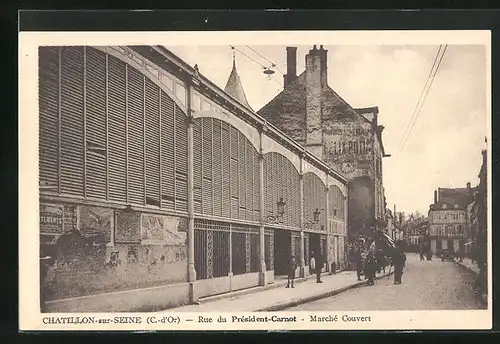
(281, 182)
(226, 171)
(108, 132)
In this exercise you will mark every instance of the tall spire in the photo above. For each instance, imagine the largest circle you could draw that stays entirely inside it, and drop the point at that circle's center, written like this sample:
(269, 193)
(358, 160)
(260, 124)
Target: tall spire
(234, 87)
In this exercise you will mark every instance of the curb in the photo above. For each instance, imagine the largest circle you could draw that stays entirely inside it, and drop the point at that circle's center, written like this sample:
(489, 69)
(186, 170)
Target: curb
(482, 297)
(293, 303)
(252, 290)
(466, 267)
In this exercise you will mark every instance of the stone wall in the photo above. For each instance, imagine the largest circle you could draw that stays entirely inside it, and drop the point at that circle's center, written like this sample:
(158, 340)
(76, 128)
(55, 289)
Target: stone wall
(102, 250)
(288, 110)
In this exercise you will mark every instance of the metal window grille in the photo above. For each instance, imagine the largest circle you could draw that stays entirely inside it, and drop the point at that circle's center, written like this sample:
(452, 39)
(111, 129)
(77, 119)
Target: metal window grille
(245, 244)
(211, 249)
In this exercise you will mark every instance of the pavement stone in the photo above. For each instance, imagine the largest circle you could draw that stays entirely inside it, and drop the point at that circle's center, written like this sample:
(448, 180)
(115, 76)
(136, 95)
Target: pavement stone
(279, 298)
(468, 264)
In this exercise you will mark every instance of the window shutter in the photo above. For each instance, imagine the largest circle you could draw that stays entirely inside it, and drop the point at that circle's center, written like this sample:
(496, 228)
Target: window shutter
(48, 103)
(241, 177)
(167, 151)
(152, 144)
(136, 136)
(217, 167)
(207, 166)
(267, 184)
(287, 191)
(96, 123)
(249, 180)
(256, 193)
(234, 173)
(72, 140)
(197, 164)
(226, 171)
(180, 159)
(117, 130)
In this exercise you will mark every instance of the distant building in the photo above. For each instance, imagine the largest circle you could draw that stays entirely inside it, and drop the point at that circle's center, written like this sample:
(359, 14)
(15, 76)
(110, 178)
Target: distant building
(448, 218)
(477, 229)
(347, 139)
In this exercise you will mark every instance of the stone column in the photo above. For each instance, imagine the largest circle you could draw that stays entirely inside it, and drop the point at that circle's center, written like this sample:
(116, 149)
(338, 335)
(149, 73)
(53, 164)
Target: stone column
(329, 257)
(262, 241)
(190, 185)
(302, 265)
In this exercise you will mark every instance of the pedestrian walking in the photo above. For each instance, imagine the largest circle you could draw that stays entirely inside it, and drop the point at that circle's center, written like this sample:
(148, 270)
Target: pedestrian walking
(319, 265)
(399, 263)
(312, 264)
(381, 261)
(421, 255)
(370, 268)
(291, 272)
(358, 260)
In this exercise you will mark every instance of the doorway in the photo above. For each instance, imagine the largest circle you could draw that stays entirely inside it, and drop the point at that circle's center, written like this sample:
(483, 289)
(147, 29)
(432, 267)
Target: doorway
(282, 251)
(314, 244)
(451, 247)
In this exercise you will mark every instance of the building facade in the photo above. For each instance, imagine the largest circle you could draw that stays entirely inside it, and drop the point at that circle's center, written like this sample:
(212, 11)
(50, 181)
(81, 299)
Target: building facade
(346, 139)
(448, 218)
(477, 236)
(158, 188)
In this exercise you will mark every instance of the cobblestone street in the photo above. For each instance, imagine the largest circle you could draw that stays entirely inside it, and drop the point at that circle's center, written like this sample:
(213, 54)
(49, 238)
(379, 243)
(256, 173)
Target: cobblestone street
(427, 285)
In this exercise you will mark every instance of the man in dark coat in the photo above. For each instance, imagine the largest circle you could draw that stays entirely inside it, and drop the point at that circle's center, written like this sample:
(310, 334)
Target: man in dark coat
(319, 265)
(370, 267)
(358, 260)
(381, 261)
(291, 272)
(399, 263)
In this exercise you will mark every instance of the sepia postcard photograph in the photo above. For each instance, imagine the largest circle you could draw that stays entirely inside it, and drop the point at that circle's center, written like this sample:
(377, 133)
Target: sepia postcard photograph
(292, 180)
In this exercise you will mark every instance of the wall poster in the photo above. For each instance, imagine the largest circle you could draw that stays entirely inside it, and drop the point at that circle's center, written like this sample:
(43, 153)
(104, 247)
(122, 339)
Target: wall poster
(51, 218)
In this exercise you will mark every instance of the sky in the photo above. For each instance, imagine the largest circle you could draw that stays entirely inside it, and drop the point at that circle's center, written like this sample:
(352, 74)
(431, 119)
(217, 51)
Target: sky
(444, 147)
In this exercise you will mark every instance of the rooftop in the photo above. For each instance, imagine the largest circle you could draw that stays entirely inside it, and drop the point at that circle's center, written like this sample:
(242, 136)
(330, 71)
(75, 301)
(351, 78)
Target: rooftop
(234, 87)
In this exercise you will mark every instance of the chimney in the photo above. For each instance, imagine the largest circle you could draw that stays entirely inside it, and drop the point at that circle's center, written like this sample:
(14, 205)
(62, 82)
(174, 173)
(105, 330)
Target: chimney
(435, 196)
(323, 55)
(291, 65)
(314, 88)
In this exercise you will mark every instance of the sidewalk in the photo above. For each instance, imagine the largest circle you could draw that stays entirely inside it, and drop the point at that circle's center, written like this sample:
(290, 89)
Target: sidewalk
(467, 263)
(279, 298)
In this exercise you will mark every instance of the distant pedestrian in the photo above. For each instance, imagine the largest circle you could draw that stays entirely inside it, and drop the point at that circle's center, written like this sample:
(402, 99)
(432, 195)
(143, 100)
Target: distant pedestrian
(312, 264)
(421, 255)
(399, 263)
(318, 266)
(370, 268)
(358, 260)
(291, 272)
(381, 261)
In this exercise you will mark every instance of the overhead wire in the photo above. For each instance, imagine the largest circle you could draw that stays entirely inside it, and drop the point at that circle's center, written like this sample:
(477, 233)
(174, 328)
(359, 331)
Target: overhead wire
(242, 53)
(265, 58)
(424, 94)
(403, 138)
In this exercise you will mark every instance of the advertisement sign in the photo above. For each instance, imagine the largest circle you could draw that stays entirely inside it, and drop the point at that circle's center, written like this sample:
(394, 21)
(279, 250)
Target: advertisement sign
(51, 218)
